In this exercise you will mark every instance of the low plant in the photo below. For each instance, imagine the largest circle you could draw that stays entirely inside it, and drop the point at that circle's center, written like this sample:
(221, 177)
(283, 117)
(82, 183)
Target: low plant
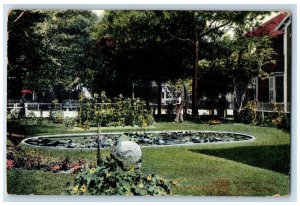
(69, 122)
(58, 117)
(119, 111)
(280, 120)
(40, 121)
(85, 125)
(214, 122)
(20, 159)
(111, 179)
(31, 115)
(85, 112)
(13, 114)
(251, 110)
(56, 114)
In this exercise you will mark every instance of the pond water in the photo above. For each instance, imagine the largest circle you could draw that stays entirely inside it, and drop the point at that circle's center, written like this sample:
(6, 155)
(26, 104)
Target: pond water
(157, 138)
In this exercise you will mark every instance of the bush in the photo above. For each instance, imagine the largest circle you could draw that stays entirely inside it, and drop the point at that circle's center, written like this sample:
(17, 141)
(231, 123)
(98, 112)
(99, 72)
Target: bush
(13, 114)
(40, 121)
(69, 122)
(85, 113)
(250, 111)
(58, 116)
(277, 118)
(31, 115)
(214, 122)
(20, 159)
(119, 112)
(111, 179)
(281, 119)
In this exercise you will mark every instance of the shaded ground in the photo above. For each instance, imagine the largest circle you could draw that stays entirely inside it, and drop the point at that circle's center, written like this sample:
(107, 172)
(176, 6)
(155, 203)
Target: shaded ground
(272, 157)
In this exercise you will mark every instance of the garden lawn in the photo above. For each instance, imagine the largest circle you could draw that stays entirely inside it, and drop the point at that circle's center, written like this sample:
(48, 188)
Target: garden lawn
(256, 168)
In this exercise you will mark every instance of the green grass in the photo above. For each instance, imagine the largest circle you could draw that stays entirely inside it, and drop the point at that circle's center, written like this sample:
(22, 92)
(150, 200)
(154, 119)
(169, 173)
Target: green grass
(28, 182)
(200, 174)
(257, 168)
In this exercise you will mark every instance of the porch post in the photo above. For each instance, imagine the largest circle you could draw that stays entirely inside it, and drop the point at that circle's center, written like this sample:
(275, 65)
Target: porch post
(285, 70)
(256, 88)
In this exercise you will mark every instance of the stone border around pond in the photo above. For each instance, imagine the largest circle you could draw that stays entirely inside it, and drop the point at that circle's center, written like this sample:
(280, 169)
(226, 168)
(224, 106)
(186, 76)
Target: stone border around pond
(252, 138)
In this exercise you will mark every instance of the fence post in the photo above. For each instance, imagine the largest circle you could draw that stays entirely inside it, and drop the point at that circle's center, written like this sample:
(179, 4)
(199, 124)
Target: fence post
(25, 108)
(262, 112)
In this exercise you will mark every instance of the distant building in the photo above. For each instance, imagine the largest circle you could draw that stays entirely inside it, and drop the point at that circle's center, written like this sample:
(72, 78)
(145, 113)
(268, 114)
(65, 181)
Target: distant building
(277, 87)
(167, 93)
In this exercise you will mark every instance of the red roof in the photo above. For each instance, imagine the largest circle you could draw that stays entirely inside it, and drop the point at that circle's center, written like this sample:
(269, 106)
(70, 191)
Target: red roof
(26, 91)
(270, 28)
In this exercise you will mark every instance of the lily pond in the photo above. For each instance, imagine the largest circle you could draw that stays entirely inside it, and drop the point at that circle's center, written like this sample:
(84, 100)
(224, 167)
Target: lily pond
(161, 138)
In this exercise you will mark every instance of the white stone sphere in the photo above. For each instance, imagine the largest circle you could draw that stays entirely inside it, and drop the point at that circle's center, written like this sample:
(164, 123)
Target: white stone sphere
(127, 152)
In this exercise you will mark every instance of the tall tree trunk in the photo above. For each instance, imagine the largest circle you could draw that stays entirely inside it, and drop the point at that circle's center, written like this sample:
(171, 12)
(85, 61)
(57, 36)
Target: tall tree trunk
(195, 77)
(159, 98)
(185, 99)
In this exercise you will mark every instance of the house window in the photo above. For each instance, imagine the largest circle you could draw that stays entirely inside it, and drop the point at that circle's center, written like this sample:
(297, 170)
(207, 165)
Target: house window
(272, 95)
(279, 88)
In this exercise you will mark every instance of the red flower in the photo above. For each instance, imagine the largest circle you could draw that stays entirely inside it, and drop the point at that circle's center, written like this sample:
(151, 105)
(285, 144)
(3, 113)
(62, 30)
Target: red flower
(55, 168)
(9, 164)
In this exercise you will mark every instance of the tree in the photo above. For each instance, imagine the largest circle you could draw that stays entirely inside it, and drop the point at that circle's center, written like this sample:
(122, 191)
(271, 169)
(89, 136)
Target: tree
(22, 49)
(66, 41)
(247, 57)
(141, 49)
(166, 44)
(53, 49)
(195, 27)
(234, 64)
(214, 85)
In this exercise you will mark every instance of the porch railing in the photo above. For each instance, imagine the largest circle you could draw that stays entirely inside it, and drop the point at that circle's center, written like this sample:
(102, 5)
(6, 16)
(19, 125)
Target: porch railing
(270, 107)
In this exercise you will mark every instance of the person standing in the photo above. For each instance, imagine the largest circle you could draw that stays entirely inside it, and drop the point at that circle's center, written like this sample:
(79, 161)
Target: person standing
(179, 109)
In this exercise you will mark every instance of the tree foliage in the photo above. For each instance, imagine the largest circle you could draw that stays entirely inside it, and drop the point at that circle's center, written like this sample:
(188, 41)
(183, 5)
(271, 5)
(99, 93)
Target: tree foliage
(167, 44)
(235, 63)
(21, 50)
(137, 47)
(54, 52)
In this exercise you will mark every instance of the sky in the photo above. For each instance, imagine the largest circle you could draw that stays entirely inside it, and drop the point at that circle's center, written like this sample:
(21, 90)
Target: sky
(98, 12)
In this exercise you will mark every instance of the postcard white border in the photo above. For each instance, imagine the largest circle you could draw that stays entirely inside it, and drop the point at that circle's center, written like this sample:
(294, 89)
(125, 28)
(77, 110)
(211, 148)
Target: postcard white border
(295, 85)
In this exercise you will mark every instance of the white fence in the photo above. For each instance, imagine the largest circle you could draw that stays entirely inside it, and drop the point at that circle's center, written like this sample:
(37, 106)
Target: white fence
(42, 109)
(71, 110)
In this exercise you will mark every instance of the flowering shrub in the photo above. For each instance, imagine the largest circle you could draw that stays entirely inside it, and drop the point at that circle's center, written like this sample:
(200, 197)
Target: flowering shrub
(251, 110)
(277, 118)
(280, 119)
(111, 179)
(9, 164)
(32, 160)
(214, 122)
(20, 159)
